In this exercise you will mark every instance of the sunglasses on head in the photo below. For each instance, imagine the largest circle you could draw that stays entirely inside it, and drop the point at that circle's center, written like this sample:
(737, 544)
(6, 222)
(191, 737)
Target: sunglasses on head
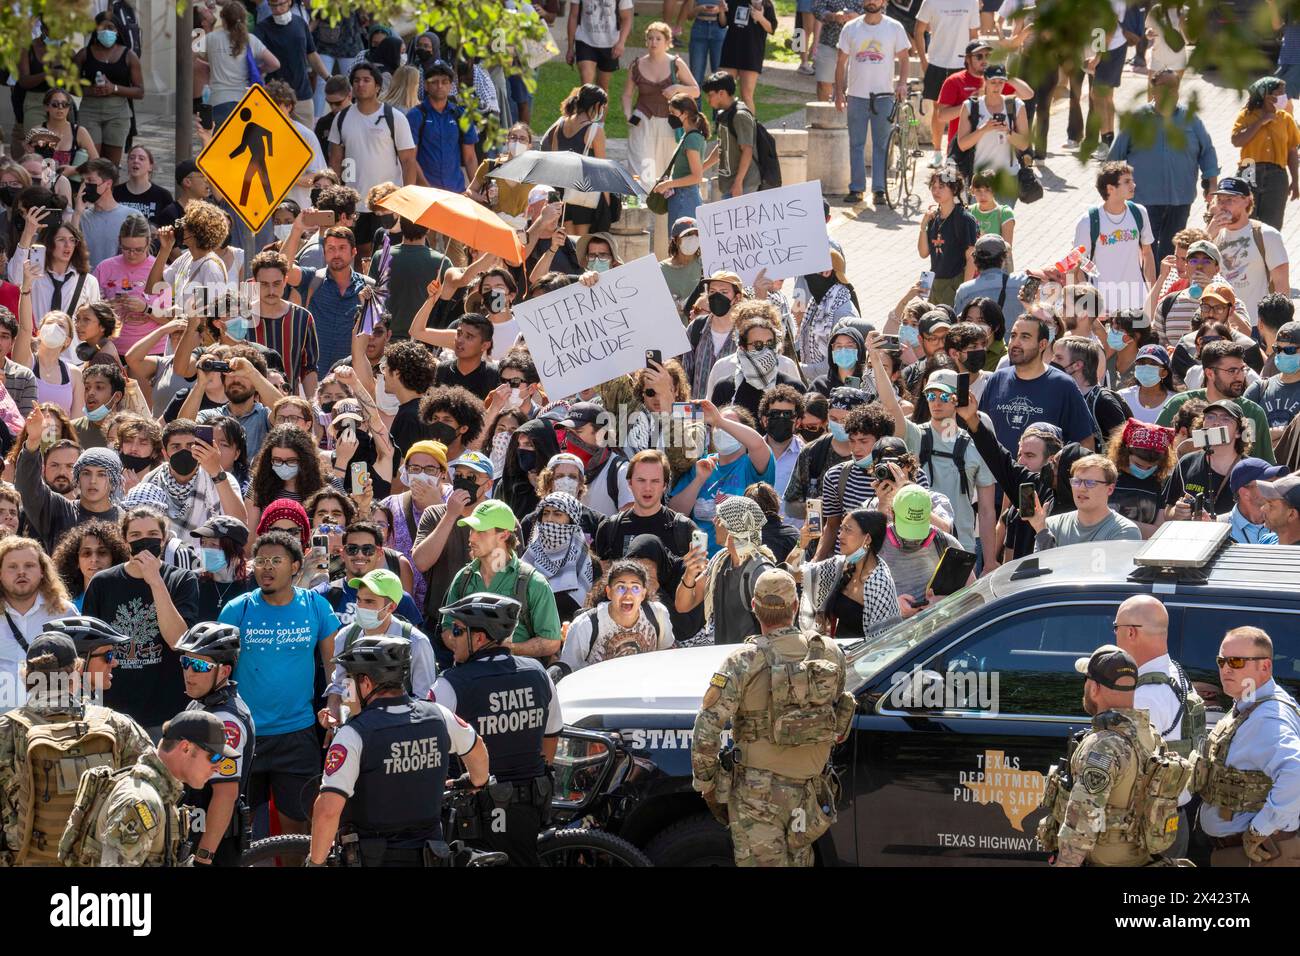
(1237, 663)
(196, 665)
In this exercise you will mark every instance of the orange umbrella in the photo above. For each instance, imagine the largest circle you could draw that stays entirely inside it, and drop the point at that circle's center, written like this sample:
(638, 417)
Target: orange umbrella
(457, 216)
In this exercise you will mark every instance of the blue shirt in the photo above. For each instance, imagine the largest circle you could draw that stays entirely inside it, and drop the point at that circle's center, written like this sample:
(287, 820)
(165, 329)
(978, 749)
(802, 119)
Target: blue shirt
(729, 479)
(989, 283)
(347, 604)
(291, 44)
(335, 313)
(1164, 174)
(1013, 405)
(1246, 532)
(277, 656)
(1268, 740)
(438, 138)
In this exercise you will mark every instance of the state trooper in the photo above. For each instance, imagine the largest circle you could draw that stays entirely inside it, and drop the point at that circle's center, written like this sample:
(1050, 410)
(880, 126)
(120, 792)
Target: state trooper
(512, 703)
(1249, 781)
(1117, 803)
(783, 692)
(387, 767)
(221, 818)
(48, 742)
(1164, 691)
(133, 817)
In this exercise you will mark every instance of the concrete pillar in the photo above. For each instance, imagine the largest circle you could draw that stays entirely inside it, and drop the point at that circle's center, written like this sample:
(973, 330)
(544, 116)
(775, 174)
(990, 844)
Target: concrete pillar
(158, 57)
(792, 151)
(632, 232)
(828, 148)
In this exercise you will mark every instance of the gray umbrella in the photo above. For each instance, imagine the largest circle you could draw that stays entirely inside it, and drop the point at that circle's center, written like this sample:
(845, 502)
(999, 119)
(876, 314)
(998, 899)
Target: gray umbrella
(566, 170)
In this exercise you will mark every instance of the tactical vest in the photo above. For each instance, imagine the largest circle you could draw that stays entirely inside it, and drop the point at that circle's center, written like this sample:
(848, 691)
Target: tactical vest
(1190, 719)
(505, 698)
(1143, 814)
(801, 699)
(50, 755)
(226, 702)
(78, 846)
(405, 750)
(1227, 788)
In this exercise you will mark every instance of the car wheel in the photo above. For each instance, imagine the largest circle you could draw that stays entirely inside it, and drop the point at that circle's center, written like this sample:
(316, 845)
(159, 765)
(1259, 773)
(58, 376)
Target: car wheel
(699, 840)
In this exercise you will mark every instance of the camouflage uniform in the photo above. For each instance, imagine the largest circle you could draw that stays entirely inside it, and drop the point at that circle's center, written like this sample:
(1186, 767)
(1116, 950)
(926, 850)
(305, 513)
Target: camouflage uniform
(779, 802)
(133, 743)
(138, 822)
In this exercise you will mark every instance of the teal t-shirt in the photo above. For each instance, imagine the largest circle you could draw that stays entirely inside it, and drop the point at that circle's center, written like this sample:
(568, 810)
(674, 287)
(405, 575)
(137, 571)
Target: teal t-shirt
(729, 479)
(682, 165)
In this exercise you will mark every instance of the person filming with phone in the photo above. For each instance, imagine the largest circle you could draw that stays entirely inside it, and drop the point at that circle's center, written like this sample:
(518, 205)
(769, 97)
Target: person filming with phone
(1092, 481)
(1201, 485)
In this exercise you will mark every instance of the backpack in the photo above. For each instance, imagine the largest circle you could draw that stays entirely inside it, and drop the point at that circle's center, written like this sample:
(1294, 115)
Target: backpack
(388, 118)
(957, 455)
(1257, 234)
(50, 757)
(964, 159)
(611, 476)
(1094, 225)
(594, 617)
(78, 846)
(1191, 711)
(769, 165)
(522, 580)
(801, 701)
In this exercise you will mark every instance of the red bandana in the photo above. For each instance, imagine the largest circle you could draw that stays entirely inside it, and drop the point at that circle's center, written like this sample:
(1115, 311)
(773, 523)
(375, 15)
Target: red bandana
(1153, 437)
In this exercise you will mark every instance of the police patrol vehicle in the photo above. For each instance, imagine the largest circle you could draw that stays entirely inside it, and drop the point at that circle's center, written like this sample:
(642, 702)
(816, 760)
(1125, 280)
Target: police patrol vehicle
(961, 709)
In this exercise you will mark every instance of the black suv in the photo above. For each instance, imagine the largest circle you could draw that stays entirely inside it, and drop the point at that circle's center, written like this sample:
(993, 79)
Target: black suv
(961, 709)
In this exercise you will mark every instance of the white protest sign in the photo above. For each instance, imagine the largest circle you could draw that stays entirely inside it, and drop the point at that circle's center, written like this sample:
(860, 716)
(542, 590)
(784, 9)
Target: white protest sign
(580, 337)
(780, 230)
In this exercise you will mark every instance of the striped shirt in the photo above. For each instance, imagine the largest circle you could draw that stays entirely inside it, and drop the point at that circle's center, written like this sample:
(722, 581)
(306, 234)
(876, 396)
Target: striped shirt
(293, 335)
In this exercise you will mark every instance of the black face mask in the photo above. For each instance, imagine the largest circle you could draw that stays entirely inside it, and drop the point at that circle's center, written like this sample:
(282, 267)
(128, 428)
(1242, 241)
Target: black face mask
(811, 434)
(385, 222)
(719, 304)
(466, 484)
(90, 192)
(45, 152)
(1057, 365)
(328, 407)
(135, 462)
(441, 431)
(527, 459)
(674, 122)
(8, 194)
(780, 429)
(975, 359)
(86, 351)
(183, 462)
(152, 545)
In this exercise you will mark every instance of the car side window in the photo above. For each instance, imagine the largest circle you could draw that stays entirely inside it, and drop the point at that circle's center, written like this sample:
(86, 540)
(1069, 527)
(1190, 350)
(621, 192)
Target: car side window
(1202, 633)
(1032, 656)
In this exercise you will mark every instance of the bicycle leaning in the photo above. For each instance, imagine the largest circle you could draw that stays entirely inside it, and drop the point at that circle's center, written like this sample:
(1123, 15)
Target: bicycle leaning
(903, 149)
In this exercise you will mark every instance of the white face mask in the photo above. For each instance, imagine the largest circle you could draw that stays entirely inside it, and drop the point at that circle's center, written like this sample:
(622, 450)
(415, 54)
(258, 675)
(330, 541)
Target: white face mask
(516, 398)
(282, 231)
(516, 148)
(53, 336)
(283, 18)
(1281, 101)
(388, 404)
(689, 245)
(566, 484)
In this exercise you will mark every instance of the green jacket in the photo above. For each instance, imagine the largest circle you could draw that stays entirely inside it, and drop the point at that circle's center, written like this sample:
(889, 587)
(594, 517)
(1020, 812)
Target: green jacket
(542, 613)
(1262, 447)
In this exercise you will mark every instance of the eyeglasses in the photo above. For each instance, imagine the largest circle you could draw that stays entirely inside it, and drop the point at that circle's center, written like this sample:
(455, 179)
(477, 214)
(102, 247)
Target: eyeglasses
(60, 104)
(431, 470)
(1234, 370)
(622, 590)
(283, 461)
(354, 549)
(196, 665)
(263, 563)
(759, 346)
(1087, 483)
(107, 656)
(280, 420)
(1237, 663)
(948, 398)
(1116, 625)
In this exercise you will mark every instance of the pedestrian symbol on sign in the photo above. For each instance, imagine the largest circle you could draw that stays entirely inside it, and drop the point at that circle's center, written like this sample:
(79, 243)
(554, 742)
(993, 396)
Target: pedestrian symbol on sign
(257, 143)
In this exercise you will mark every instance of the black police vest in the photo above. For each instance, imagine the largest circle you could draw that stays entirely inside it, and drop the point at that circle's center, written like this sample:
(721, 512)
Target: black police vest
(405, 749)
(505, 698)
(225, 698)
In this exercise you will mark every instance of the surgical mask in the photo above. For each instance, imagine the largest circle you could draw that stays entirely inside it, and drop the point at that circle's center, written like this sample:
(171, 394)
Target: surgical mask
(909, 336)
(838, 431)
(286, 472)
(368, 618)
(282, 231)
(725, 443)
(566, 484)
(1115, 339)
(516, 148)
(1287, 364)
(183, 462)
(1051, 334)
(844, 358)
(719, 304)
(689, 245)
(1147, 375)
(97, 414)
(214, 560)
(152, 545)
(237, 328)
(598, 265)
(412, 480)
(282, 18)
(1137, 472)
(53, 336)
(106, 37)
(388, 404)
(857, 555)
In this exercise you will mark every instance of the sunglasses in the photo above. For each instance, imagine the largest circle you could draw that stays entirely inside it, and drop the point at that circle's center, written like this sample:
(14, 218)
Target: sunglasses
(1199, 259)
(330, 529)
(107, 656)
(1088, 483)
(1286, 349)
(1237, 663)
(457, 630)
(948, 398)
(196, 665)
(622, 590)
(60, 104)
(355, 549)
(759, 346)
(513, 382)
(212, 758)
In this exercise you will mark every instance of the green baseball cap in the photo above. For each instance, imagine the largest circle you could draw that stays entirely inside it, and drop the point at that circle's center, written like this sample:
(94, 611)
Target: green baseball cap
(912, 513)
(382, 582)
(490, 515)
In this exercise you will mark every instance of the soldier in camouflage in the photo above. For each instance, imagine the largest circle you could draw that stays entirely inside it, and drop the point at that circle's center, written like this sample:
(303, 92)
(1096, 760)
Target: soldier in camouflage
(783, 693)
(139, 823)
(78, 735)
(1120, 805)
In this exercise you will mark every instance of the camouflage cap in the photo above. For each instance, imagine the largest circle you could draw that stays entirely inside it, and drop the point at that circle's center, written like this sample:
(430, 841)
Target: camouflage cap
(775, 588)
(1107, 666)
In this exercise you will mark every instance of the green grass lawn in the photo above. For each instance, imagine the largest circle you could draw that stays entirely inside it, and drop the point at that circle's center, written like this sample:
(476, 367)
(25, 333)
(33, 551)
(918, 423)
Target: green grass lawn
(556, 79)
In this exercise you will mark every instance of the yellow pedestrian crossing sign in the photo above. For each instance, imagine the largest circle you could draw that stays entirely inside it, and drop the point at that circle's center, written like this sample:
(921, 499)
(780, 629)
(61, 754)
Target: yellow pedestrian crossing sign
(255, 158)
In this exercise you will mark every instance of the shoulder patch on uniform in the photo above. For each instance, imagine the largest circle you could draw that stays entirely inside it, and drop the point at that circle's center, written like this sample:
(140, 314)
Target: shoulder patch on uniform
(334, 759)
(145, 814)
(233, 735)
(1100, 760)
(718, 680)
(227, 768)
(1095, 780)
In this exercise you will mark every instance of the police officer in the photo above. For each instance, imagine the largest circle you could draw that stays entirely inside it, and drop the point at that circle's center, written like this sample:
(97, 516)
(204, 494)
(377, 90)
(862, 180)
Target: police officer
(1249, 782)
(221, 815)
(773, 789)
(34, 756)
(388, 765)
(1119, 806)
(512, 703)
(97, 644)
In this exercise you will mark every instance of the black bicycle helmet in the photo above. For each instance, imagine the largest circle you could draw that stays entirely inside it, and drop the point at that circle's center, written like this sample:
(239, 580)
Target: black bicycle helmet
(86, 632)
(385, 660)
(493, 614)
(219, 642)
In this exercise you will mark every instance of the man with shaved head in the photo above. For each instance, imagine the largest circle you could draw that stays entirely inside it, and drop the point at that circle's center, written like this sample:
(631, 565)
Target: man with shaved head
(1176, 711)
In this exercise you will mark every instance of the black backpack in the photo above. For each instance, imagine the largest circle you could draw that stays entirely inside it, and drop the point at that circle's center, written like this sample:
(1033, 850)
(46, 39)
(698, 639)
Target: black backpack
(958, 456)
(769, 165)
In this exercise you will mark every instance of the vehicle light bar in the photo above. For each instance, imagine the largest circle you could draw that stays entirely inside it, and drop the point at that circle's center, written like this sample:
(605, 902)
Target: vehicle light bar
(1183, 544)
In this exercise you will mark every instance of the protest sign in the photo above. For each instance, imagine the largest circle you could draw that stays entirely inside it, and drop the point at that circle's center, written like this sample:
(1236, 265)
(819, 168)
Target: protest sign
(780, 230)
(580, 337)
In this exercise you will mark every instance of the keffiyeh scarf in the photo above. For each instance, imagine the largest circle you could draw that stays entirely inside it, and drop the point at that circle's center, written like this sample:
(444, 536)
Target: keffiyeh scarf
(556, 548)
(757, 368)
(180, 495)
(104, 458)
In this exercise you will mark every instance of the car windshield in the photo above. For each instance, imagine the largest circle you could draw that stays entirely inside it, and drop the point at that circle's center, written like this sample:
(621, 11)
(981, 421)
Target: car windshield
(869, 657)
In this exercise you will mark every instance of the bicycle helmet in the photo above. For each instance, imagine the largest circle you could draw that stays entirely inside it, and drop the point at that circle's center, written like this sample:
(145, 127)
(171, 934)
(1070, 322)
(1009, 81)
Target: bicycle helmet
(493, 614)
(87, 632)
(219, 642)
(385, 660)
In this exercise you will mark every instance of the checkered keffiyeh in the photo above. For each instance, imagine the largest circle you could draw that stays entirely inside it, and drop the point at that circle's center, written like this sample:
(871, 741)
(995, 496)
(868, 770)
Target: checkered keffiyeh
(743, 519)
(104, 458)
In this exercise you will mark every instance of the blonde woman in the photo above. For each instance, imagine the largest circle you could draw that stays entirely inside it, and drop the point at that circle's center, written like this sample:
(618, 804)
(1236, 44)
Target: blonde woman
(57, 381)
(404, 89)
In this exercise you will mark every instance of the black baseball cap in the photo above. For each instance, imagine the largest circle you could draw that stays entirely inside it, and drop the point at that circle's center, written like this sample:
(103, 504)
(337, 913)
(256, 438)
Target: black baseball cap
(996, 71)
(1229, 406)
(439, 68)
(976, 45)
(186, 167)
(1109, 665)
(60, 645)
(1232, 186)
(888, 447)
(223, 526)
(202, 728)
(582, 413)
(1289, 334)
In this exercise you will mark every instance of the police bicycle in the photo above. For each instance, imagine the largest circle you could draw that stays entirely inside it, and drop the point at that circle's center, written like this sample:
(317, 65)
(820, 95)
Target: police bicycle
(903, 149)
